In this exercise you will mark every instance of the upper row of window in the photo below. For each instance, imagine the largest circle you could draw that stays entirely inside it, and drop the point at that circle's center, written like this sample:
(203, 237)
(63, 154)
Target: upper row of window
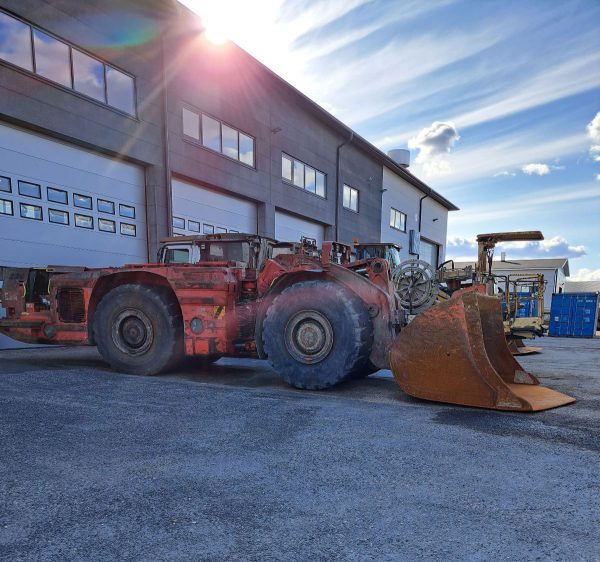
(302, 175)
(55, 195)
(30, 48)
(218, 136)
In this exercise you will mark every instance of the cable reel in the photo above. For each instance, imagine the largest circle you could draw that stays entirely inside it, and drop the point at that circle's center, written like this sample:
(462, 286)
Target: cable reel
(416, 285)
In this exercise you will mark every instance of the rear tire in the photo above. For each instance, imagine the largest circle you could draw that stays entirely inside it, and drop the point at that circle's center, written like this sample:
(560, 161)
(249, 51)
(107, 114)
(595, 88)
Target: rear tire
(317, 334)
(139, 329)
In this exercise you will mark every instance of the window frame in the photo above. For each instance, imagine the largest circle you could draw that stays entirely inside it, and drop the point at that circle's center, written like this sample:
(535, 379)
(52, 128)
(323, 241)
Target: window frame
(79, 215)
(12, 207)
(195, 223)
(50, 200)
(102, 220)
(352, 189)
(294, 161)
(39, 189)
(60, 211)
(174, 218)
(71, 89)
(112, 203)
(21, 205)
(122, 224)
(393, 212)
(9, 190)
(121, 206)
(90, 208)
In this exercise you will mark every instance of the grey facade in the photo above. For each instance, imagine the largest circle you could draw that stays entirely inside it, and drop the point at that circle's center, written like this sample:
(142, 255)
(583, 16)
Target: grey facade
(174, 68)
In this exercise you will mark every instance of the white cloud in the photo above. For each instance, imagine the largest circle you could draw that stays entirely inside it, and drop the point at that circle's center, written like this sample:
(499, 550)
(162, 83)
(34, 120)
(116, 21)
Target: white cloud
(539, 169)
(585, 274)
(504, 173)
(595, 152)
(434, 143)
(462, 248)
(593, 128)
(597, 177)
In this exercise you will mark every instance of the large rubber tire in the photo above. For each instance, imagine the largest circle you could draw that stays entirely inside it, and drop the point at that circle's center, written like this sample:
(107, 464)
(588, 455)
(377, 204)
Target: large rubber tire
(139, 330)
(316, 334)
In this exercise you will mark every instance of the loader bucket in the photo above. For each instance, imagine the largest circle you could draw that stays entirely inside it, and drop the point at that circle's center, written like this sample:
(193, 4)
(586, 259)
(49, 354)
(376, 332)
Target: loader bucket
(456, 352)
(517, 347)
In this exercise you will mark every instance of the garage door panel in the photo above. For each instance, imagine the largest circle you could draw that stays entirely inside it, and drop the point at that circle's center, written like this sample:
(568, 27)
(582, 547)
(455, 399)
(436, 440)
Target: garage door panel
(289, 228)
(196, 203)
(26, 156)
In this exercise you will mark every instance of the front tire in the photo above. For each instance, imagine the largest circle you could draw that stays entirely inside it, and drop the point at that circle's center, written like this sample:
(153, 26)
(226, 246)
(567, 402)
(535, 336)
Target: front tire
(139, 329)
(317, 334)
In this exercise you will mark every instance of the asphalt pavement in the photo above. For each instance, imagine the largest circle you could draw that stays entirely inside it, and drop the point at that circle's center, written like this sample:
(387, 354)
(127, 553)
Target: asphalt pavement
(234, 465)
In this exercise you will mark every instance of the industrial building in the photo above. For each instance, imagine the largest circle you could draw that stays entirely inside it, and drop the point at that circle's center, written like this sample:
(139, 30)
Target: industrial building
(120, 123)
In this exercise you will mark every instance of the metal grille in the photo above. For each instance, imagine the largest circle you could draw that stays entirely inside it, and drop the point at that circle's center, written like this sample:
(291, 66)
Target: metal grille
(71, 309)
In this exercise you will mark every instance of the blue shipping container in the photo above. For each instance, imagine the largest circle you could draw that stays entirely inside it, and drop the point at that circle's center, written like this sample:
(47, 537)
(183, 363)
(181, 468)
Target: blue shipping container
(574, 315)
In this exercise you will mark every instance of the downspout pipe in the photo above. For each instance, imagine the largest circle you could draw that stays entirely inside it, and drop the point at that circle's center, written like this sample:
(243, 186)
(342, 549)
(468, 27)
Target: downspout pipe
(421, 216)
(338, 170)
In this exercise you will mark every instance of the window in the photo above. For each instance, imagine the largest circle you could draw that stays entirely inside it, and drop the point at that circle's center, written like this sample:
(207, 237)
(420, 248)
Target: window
(105, 206)
(246, 150)
(57, 195)
(52, 58)
(84, 221)
(397, 219)
(127, 211)
(15, 42)
(58, 217)
(302, 175)
(194, 226)
(88, 76)
(218, 136)
(120, 90)
(211, 133)
(82, 201)
(178, 223)
(177, 255)
(128, 229)
(5, 184)
(31, 212)
(106, 225)
(230, 142)
(208, 229)
(191, 124)
(30, 189)
(6, 207)
(63, 64)
(220, 230)
(350, 198)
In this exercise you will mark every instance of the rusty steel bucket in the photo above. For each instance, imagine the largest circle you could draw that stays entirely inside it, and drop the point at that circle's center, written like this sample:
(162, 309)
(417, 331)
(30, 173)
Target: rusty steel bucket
(456, 352)
(517, 347)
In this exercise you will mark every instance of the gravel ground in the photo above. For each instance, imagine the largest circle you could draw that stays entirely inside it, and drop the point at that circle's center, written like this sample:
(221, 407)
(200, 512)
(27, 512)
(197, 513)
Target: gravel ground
(234, 465)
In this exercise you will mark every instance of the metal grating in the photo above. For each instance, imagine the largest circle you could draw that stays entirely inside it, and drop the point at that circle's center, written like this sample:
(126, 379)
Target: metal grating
(71, 309)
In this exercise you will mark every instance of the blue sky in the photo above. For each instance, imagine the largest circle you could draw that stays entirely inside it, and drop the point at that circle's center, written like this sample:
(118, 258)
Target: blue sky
(498, 101)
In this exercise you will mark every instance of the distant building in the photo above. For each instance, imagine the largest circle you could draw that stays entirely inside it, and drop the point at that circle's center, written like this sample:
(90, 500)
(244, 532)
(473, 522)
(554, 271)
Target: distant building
(554, 270)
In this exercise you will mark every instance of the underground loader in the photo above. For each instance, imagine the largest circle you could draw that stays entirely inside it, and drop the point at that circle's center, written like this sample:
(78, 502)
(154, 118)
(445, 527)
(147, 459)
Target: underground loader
(319, 319)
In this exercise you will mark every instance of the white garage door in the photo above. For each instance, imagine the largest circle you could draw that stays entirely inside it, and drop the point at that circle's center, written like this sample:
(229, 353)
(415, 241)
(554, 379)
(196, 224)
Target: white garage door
(289, 228)
(197, 210)
(64, 205)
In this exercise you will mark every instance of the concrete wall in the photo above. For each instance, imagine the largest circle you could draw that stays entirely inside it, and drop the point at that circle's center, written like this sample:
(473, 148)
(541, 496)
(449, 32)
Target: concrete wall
(404, 197)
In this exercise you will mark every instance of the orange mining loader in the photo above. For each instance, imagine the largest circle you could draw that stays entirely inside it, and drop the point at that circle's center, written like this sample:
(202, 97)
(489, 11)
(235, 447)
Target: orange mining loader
(318, 321)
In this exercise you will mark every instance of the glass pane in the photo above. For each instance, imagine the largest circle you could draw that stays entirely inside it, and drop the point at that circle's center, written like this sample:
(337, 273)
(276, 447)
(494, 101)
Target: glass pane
(177, 255)
(178, 223)
(59, 217)
(31, 212)
(211, 133)
(88, 75)
(402, 222)
(286, 168)
(354, 199)
(120, 90)
(310, 180)
(6, 207)
(194, 226)
(83, 221)
(82, 201)
(106, 225)
(30, 189)
(246, 149)
(127, 211)
(106, 206)
(346, 202)
(57, 196)
(393, 218)
(230, 142)
(5, 184)
(15, 42)
(191, 124)
(320, 184)
(128, 229)
(52, 58)
(298, 173)
(209, 229)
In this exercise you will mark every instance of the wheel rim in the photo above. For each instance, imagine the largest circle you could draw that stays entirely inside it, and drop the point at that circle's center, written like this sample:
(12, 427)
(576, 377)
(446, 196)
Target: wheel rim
(132, 332)
(309, 337)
